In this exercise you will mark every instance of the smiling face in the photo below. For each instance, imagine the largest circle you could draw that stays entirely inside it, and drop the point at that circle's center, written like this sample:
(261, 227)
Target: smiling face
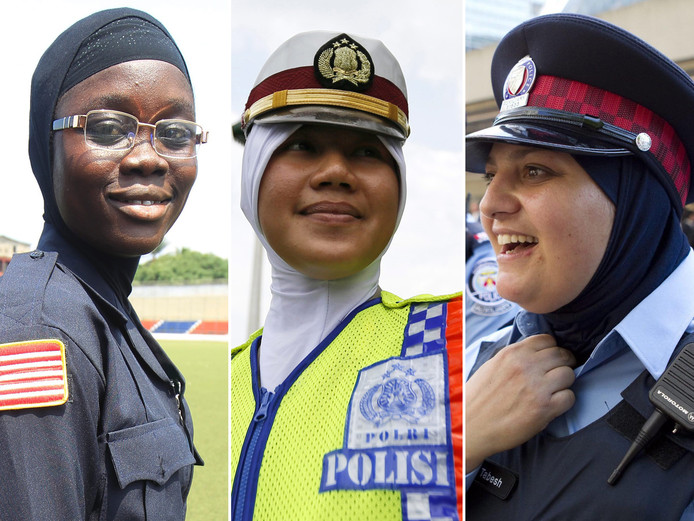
(123, 203)
(549, 224)
(328, 201)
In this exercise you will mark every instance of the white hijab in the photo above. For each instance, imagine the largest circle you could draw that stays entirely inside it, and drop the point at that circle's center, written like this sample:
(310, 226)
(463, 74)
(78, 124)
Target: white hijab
(303, 311)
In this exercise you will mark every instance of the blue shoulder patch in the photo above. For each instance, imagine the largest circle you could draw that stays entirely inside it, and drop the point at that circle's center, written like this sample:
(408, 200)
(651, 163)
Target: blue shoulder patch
(481, 289)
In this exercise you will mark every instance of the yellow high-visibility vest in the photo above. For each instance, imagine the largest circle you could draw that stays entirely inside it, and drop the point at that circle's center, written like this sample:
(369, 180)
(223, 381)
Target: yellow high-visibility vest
(362, 428)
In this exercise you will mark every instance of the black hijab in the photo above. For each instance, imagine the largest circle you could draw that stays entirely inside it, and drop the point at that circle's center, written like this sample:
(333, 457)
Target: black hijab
(646, 245)
(90, 45)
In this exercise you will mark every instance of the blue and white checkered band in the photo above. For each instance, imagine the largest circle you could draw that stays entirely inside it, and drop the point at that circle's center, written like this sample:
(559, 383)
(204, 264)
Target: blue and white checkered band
(518, 84)
(397, 430)
(481, 289)
(426, 329)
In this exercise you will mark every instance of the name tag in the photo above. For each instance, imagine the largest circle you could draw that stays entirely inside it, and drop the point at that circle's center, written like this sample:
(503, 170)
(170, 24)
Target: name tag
(495, 479)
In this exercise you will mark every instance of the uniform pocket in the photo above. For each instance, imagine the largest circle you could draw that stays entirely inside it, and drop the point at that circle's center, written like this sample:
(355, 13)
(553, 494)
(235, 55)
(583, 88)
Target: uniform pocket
(154, 451)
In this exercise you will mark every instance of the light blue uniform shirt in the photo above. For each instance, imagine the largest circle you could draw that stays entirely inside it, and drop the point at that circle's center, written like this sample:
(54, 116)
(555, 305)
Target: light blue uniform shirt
(645, 338)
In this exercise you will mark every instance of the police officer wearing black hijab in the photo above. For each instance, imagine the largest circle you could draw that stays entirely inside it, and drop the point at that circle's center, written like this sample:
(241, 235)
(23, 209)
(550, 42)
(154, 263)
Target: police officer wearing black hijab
(93, 420)
(589, 168)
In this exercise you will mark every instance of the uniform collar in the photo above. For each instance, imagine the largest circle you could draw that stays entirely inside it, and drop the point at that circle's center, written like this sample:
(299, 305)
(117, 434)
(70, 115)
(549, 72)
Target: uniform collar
(109, 276)
(655, 326)
(651, 330)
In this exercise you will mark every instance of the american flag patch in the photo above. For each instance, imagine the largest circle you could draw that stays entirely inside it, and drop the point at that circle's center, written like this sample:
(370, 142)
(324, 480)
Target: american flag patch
(32, 374)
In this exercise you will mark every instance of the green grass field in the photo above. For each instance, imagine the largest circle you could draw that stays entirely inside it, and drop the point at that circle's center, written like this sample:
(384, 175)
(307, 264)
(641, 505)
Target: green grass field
(204, 365)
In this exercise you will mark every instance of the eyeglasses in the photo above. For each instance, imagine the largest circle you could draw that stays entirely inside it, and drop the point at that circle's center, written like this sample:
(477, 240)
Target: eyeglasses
(116, 131)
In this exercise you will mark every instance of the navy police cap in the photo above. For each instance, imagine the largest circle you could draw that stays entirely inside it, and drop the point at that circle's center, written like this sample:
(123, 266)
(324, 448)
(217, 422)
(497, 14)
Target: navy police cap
(580, 85)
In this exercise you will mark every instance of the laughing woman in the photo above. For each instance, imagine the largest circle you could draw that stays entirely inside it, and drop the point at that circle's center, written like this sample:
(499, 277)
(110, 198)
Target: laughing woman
(93, 422)
(344, 406)
(588, 166)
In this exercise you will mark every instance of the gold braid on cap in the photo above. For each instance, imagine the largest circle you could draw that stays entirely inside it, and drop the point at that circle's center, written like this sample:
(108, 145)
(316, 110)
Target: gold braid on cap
(338, 98)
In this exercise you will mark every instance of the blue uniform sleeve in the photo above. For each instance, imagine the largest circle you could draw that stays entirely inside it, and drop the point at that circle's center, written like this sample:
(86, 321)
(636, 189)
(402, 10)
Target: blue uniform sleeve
(51, 464)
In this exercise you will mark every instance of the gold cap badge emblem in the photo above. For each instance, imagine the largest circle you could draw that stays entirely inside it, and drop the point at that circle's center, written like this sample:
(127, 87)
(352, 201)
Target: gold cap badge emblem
(342, 63)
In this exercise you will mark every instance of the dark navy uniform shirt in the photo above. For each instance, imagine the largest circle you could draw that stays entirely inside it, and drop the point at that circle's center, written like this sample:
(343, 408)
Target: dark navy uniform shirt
(644, 340)
(121, 447)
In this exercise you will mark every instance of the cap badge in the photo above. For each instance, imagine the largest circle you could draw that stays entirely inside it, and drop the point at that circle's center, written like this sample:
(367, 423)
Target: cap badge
(518, 84)
(343, 63)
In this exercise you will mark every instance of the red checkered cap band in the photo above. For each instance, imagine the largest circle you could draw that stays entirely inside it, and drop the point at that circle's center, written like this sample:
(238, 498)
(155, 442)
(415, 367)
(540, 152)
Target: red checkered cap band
(573, 96)
(304, 78)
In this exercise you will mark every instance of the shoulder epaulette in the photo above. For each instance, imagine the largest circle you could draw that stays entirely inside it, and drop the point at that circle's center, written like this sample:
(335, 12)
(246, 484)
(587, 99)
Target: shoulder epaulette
(23, 284)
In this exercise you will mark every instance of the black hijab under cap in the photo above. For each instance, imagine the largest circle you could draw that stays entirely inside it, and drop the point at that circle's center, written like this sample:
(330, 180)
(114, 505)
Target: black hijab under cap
(92, 44)
(646, 245)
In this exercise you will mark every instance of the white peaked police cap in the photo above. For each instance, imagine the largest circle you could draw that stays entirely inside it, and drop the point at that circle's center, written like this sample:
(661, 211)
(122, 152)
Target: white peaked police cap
(331, 78)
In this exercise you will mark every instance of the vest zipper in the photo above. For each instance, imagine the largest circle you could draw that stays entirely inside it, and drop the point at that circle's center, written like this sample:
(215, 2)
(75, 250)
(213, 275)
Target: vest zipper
(239, 500)
(246, 478)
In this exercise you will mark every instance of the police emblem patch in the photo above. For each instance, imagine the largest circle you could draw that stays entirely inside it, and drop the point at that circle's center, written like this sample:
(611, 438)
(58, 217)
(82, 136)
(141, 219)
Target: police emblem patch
(342, 63)
(32, 374)
(481, 289)
(399, 396)
(397, 432)
(518, 84)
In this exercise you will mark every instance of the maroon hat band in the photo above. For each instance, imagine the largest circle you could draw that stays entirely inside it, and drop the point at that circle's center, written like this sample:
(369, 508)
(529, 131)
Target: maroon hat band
(304, 78)
(299, 86)
(573, 96)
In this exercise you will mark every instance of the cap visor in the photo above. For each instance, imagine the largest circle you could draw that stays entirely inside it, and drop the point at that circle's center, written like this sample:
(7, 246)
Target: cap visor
(335, 116)
(478, 144)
